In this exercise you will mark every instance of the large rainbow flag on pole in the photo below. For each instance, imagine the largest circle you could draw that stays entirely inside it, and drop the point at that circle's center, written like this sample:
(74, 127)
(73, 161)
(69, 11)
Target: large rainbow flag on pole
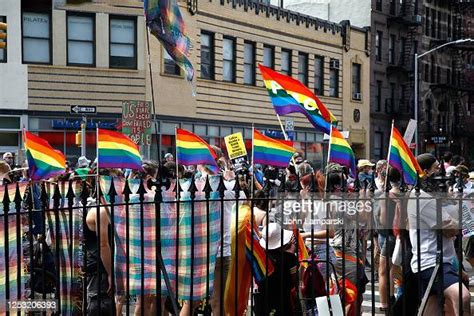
(269, 151)
(43, 160)
(401, 158)
(193, 150)
(290, 96)
(340, 151)
(166, 23)
(115, 150)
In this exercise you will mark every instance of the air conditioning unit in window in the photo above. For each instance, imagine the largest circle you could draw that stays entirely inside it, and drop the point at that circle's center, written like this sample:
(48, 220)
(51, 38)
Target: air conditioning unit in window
(356, 96)
(416, 18)
(334, 64)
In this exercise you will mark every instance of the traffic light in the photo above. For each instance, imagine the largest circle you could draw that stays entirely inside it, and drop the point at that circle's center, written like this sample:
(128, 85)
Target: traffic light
(79, 138)
(3, 35)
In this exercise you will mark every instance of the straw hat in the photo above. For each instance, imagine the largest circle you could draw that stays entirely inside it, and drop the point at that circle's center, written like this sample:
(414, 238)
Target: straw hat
(364, 163)
(274, 236)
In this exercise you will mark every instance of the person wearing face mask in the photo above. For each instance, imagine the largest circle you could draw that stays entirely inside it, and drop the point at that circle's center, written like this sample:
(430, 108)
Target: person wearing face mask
(424, 259)
(365, 171)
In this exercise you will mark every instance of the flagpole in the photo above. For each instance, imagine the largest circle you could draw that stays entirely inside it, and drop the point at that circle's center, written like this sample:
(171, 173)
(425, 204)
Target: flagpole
(329, 156)
(97, 157)
(253, 166)
(388, 157)
(286, 138)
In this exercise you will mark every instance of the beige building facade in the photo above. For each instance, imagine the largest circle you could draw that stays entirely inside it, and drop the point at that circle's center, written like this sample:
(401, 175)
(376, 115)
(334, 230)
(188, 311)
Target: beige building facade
(229, 41)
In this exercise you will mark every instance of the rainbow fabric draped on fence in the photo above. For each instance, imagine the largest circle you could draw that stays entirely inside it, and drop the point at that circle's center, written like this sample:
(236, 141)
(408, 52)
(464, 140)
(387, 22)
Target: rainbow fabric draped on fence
(289, 96)
(193, 150)
(269, 151)
(401, 158)
(256, 256)
(340, 151)
(43, 160)
(166, 23)
(116, 150)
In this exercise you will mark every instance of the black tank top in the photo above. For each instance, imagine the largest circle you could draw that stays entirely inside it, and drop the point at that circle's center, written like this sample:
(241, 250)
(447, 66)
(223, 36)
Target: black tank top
(92, 247)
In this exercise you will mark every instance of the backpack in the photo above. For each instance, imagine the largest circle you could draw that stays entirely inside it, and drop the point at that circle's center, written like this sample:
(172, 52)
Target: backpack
(313, 282)
(41, 251)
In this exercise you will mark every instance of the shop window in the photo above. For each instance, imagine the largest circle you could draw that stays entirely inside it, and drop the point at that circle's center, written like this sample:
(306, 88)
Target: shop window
(9, 139)
(8, 122)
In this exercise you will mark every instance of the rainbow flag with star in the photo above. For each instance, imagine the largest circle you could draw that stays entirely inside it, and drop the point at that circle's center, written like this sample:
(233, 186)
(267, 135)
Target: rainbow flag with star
(401, 158)
(115, 150)
(193, 150)
(44, 161)
(340, 151)
(291, 96)
(269, 151)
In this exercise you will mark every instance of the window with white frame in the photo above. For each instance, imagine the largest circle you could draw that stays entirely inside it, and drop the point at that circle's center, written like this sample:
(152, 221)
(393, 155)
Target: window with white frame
(123, 41)
(36, 37)
(80, 40)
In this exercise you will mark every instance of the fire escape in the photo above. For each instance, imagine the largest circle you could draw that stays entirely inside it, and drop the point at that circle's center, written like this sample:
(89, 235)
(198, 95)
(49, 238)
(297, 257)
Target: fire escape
(408, 18)
(457, 89)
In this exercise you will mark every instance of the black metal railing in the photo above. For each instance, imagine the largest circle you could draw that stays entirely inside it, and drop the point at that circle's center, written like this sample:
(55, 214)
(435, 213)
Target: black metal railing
(167, 245)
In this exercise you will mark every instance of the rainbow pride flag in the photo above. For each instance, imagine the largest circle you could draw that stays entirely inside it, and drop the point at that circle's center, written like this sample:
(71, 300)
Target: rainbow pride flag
(193, 150)
(257, 256)
(165, 21)
(340, 151)
(269, 151)
(401, 158)
(302, 250)
(116, 150)
(290, 96)
(43, 160)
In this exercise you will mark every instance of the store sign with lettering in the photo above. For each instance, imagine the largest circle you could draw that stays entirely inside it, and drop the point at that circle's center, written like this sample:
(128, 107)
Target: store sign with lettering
(76, 124)
(136, 121)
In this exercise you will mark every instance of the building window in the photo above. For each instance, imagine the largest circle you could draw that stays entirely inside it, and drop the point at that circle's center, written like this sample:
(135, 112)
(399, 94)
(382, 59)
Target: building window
(433, 70)
(391, 49)
(249, 63)
(228, 67)
(80, 40)
(403, 104)
(392, 7)
(393, 88)
(3, 51)
(334, 78)
(378, 96)
(427, 72)
(449, 25)
(286, 62)
(319, 75)
(378, 46)
(403, 41)
(207, 55)
(303, 68)
(433, 23)
(440, 19)
(269, 56)
(356, 69)
(123, 43)
(427, 21)
(378, 5)
(378, 145)
(169, 66)
(448, 76)
(36, 38)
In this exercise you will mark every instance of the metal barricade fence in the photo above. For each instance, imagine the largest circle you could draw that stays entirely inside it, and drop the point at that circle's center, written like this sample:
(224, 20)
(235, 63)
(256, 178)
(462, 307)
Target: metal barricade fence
(166, 247)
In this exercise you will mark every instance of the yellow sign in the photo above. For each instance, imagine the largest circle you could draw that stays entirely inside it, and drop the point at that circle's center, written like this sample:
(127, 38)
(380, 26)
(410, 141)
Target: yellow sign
(235, 145)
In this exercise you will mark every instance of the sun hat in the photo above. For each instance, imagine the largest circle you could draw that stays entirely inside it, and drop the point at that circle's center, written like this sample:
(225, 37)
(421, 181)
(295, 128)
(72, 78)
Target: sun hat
(83, 162)
(364, 163)
(274, 236)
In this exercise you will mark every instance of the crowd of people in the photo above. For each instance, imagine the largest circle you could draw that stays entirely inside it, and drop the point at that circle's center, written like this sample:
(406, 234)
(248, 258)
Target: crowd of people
(398, 216)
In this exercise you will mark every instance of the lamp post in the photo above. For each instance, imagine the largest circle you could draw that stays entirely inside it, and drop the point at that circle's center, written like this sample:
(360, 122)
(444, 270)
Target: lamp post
(416, 80)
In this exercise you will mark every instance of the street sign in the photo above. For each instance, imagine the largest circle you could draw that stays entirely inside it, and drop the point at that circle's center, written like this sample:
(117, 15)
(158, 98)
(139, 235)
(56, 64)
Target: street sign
(289, 125)
(438, 139)
(410, 131)
(80, 109)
